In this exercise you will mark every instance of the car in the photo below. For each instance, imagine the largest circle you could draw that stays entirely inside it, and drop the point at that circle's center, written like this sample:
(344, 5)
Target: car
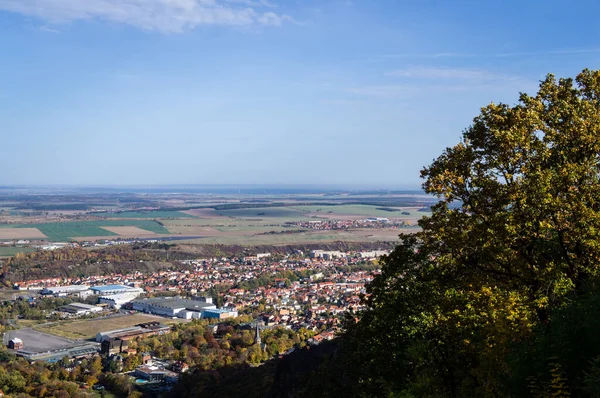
(98, 387)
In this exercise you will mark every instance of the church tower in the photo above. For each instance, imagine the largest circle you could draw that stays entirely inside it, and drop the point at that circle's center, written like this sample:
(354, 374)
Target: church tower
(257, 335)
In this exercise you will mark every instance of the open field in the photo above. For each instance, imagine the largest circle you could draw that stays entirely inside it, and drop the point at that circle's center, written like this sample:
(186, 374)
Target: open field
(264, 212)
(358, 211)
(203, 213)
(28, 323)
(65, 231)
(20, 233)
(11, 251)
(152, 215)
(237, 225)
(87, 329)
(130, 231)
(252, 226)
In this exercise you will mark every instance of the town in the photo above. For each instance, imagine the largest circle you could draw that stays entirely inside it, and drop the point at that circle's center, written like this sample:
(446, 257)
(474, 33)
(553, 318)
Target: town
(307, 293)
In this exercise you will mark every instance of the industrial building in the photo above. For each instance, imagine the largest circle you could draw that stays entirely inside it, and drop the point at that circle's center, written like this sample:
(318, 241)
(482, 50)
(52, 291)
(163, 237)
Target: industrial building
(78, 351)
(174, 307)
(140, 330)
(80, 309)
(327, 255)
(64, 291)
(117, 300)
(373, 254)
(108, 290)
(220, 313)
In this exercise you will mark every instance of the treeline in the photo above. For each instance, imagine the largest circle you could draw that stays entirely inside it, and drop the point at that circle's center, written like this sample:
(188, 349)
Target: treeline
(36, 310)
(143, 257)
(54, 207)
(77, 261)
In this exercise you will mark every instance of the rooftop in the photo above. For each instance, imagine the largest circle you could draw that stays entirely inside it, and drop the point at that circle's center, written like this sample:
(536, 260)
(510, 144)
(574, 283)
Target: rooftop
(111, 287)
(175, 302)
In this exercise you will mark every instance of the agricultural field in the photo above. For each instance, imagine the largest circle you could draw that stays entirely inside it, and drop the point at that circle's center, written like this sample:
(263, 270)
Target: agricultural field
(66, 231)
(11, 251)
(256, 225)
(87, 329)
(238, 219)
(288, 213)
(152, 215)
(359, 211)
(130, 231)
(20, 233)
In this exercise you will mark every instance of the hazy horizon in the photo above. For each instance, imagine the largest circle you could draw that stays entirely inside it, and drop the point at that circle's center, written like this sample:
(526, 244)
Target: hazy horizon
(195, 92)
(213, 189)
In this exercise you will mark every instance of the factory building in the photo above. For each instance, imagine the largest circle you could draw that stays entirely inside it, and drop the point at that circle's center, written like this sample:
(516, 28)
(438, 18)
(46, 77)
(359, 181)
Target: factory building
(117, 300)
(220, 313)
(80, 309)
(64, 291)
(108, 290)
(174, 307)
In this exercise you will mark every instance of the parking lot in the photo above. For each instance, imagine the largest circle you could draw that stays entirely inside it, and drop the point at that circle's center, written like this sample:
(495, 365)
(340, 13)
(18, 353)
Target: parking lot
(35, 341)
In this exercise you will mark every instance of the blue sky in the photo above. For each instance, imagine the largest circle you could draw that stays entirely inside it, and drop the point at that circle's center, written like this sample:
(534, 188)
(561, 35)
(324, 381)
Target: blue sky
(361, 93)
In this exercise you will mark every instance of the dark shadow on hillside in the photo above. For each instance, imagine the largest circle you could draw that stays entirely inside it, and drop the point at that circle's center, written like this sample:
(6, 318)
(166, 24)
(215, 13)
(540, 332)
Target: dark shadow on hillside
(280, 377)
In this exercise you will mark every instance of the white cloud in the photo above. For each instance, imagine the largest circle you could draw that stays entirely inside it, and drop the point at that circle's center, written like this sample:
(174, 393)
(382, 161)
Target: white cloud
(253, 3)
(272, 19)
(168, 16)
(48, 29)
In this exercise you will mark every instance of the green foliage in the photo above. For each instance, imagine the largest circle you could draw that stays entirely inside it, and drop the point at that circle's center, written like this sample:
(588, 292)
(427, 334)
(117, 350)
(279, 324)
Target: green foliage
(20, 378)
(196, 344)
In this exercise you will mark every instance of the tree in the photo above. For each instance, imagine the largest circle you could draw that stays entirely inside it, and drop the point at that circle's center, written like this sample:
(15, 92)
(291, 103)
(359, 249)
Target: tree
(515, 235)
(527, 180)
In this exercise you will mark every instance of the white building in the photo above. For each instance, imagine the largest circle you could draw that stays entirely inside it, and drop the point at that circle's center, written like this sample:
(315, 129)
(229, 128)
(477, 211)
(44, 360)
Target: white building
(327, 255)
(71, 290)
(80, 309)
(173, 307)
(117, 300)
(106, 290)
(373, 254)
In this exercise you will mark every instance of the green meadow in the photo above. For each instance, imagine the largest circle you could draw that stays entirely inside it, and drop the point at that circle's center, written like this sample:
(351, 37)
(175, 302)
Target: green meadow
(11, 251)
